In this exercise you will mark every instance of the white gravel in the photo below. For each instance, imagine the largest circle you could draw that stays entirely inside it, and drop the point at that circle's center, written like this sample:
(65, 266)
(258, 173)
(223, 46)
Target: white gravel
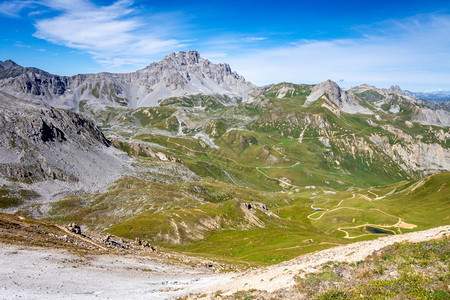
(32, 273)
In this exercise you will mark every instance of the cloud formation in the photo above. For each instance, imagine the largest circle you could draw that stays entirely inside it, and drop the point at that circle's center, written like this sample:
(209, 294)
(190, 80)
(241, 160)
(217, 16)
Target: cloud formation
(12, 9)
(114, 35)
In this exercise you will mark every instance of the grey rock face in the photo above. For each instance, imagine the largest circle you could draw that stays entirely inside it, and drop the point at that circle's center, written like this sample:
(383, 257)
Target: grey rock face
(395, 100)
(178, 74)
(31, 80)
(40, 143)
(345, 101)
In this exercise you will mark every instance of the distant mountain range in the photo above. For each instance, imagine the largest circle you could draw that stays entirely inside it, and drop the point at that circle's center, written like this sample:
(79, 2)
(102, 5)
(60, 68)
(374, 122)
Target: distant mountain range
(395, 100)
(433, 96)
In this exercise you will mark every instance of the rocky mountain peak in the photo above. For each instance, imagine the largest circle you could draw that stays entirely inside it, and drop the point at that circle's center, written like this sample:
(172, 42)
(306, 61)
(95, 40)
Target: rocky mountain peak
(344, 100)
(7, 64)
(187, 73)
(397, 90)
(330, 84)
(191, 56)
(192, 60)
(178, 74)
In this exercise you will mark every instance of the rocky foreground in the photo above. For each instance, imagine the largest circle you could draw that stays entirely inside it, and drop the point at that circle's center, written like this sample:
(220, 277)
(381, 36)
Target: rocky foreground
(34, 272)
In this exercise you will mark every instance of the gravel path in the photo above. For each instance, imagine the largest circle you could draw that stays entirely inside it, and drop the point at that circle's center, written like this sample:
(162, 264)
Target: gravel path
(283, 275)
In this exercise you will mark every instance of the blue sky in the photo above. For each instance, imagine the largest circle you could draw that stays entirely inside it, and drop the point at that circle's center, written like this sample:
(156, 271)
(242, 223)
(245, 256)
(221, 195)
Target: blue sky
(352, 42)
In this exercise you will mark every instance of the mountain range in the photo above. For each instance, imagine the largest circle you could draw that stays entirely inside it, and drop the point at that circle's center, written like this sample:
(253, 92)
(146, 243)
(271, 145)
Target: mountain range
(186, 153)
(178, 74)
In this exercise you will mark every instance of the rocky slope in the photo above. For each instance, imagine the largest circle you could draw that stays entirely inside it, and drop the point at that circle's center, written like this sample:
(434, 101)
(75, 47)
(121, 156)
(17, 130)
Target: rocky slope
(178, 74)
(396, 101)
(345, 101)
(52, 150)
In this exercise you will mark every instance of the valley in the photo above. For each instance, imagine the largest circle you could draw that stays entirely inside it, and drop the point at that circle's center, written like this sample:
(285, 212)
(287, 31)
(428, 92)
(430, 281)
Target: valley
(187, 155)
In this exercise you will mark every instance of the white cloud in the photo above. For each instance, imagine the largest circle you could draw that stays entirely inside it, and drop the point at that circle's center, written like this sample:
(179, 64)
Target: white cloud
(113, 34)
(414, 53)
(13, 8)
(21, 45)
(254, 39)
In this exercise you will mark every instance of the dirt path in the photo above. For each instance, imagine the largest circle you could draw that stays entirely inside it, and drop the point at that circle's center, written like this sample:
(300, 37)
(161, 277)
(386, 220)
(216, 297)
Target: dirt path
(78, 236)
(283, 275)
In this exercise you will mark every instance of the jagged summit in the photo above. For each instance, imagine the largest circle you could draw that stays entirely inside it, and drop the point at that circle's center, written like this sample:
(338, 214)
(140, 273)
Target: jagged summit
(190, 58)
(187, 73)
(7, 64)
(178, 74)
(345, 101)
(396, 89)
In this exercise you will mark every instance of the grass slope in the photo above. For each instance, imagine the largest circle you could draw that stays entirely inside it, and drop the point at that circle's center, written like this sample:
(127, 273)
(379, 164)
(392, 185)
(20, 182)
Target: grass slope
(212, 219)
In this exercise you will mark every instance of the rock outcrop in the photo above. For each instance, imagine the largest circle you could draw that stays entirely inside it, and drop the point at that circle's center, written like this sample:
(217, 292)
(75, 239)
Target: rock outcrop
(395, 100)
(345, 101)
(40, 143)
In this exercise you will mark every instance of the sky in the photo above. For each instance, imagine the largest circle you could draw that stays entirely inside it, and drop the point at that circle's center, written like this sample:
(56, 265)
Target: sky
(382, 43)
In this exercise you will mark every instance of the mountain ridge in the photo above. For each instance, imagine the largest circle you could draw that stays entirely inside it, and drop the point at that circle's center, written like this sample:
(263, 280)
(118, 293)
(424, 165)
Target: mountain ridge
(178, 74)
(185, 74)
(397, 101)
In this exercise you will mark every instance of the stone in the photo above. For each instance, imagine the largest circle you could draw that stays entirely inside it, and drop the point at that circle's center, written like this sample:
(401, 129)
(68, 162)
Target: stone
(75, 228)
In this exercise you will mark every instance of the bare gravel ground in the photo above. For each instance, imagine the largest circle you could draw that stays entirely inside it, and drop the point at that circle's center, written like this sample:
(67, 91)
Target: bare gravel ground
(36, 273)
(33, 273)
